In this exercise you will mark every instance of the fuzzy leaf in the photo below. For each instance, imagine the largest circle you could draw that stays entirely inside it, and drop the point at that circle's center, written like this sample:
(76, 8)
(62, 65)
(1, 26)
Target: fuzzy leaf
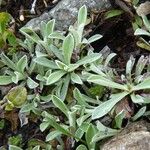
(89, 59)
(97, 79)
(75, 78)
(29, 33)
(31, 83)
(55, 76)
(52, 135)
(119, 118)
(94, 38)
(5, 80)
(8, 62)
(105, 107)
(57, 126)
(56, 35)
(50, 26)
(139, 114)
(45, 62)
(141, 32)
(81, 147)
(60, 104)
(91, 131)
(82, 15)
(22, 63)
(143, 85)
(68, 46)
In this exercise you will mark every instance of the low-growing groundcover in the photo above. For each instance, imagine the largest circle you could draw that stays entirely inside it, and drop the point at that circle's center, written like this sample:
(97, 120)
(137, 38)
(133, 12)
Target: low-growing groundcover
(72, 93)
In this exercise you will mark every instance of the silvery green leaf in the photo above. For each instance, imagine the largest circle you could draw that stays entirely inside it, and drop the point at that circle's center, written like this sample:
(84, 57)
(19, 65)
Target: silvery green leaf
(45, 62)
(5, 80)
(40, 78)
(145, 84)
(140, 65)
(75, 35)
(109, 58)
(98, 79)
(91, 100)
(29, 33)
(55, 76)
(103, 128)
(72, 67)
(68, 47)
(52, 135)
(146, 22)
(89, 59)
(57, 52)
(103, 133)
(43, 126)
(81, 147)
(79, 133)
(141, 32)
(106, 106)
(17, 77)
(53, 123)
(22, 63)
(56, 35)
(94, 38)
(72, 118)
(139, 114)
(119, 118)
(82, 15)
(75, 78)
(26, 108)
(64, 88)
(97, 70)
(50, 27)
(60, 105)
(85, 41)
(80, 32)
(78, 96)
(8, 62)
(137, 98)
(61, 65)
(82, 119)
(91, 131)
(43, 29)
(129, 66)
(84, 126)
(40, 54)
(36, 147)
(32, 66)
(13, 147)
(31, 83)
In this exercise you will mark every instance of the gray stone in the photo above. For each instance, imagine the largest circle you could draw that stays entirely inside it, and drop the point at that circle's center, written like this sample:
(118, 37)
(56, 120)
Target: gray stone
(65, 12)
(135, 137)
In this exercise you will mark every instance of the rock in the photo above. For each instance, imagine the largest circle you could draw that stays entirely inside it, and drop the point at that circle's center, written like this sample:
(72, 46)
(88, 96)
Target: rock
(135, 137)
(65, 12)
(143, 9)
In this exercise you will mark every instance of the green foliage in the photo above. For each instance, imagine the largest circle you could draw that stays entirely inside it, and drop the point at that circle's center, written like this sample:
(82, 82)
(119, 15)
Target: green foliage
(64, 82)
(15, 140)
(6, 35)
(129, 87)
(16, 97)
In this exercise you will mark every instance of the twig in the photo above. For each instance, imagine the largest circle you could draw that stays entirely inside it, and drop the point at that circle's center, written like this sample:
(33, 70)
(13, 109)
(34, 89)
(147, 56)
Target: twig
(32, 11)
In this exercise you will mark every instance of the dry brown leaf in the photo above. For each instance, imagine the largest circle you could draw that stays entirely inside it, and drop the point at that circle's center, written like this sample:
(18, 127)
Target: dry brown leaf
(12, 116)
(124, 105)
